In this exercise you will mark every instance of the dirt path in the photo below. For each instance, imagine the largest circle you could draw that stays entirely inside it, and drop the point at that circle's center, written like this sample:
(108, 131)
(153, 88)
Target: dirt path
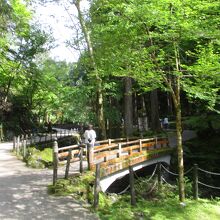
(23, 193)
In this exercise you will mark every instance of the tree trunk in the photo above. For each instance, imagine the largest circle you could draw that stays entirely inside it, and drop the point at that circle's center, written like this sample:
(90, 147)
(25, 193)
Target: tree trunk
(179, 128)
(169, 104)
(128, 106)
(174, 87)
(180, 153)
(135, 110)
(99, 92)
(155, 120)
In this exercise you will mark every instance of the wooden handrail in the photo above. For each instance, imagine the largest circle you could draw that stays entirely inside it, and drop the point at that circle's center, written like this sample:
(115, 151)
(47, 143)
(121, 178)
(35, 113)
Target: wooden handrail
(116, 164)
(76, 146)
(112, 152)
(126, 149)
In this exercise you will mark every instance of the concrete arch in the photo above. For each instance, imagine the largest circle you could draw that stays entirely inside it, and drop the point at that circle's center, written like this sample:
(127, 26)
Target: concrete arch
(105, 182)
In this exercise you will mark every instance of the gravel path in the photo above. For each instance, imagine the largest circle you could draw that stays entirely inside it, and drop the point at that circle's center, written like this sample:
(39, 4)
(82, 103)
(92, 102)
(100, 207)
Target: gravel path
(23, 193)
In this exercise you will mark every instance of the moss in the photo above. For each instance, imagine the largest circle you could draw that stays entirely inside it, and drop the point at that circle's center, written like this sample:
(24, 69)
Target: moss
(39, 159)
(80, 187)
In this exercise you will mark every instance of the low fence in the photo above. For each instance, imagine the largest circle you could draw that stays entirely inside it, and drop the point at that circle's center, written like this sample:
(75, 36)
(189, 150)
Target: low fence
(159, 180)
(22, 142)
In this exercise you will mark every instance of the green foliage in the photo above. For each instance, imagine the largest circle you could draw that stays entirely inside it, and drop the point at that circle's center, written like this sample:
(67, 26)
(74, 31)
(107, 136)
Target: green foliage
(21, 43)
(62, 187)
(80, 187)
(204, 122)
(205, 152)
(144, 39)
(39, 159)
(156, 205)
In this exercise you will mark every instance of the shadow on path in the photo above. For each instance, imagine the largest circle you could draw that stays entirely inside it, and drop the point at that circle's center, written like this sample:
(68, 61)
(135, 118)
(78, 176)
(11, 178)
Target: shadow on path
(23, 193)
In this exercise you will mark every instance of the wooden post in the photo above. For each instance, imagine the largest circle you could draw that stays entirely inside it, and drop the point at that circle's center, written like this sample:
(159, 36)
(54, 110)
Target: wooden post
(68, 164)
(51, 136)
(18, 145)
(30, 139)
(130, 151)
(140, 144)
(159, 179)
(132, 190)
(195, 182)
(55, 161)
(109, 141)
(90, 156)
(40, 139)
(24, 148)
(14, 143)
(22, 144)
(81, 160)
(97, 186)
(119, 150)
(155, 146)
(167, 142)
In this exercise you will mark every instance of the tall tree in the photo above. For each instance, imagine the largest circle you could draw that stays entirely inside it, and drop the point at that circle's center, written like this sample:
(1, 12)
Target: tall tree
(156, 41)
(94, 72)
(128, 106)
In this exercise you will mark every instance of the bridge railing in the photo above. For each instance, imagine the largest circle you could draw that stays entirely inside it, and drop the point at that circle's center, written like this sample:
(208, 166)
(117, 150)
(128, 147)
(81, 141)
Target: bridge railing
(112, 150)
(64, 152)
(102, 145)
(114, 155)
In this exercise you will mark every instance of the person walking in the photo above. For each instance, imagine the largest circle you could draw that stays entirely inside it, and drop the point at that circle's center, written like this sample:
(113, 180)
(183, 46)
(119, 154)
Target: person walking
(90, 138)
(165, 123)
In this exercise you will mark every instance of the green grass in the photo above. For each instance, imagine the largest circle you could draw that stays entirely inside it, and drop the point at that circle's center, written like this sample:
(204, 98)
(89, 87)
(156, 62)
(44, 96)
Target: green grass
(166, 209)
(163, 205)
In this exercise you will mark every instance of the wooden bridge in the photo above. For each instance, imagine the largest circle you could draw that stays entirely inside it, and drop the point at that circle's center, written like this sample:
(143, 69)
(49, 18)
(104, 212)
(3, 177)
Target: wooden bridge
(116, 155)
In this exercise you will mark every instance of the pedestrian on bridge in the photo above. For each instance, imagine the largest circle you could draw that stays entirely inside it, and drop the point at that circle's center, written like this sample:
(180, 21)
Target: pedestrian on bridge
(90, 138)
(165, 123)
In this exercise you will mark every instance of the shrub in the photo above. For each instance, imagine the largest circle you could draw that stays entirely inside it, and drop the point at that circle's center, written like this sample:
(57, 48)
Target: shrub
(39, 159)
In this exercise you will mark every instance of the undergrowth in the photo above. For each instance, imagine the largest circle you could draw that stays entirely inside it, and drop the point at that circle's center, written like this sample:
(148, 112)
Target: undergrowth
(151, 203)
(80, 187)
(39, 159)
